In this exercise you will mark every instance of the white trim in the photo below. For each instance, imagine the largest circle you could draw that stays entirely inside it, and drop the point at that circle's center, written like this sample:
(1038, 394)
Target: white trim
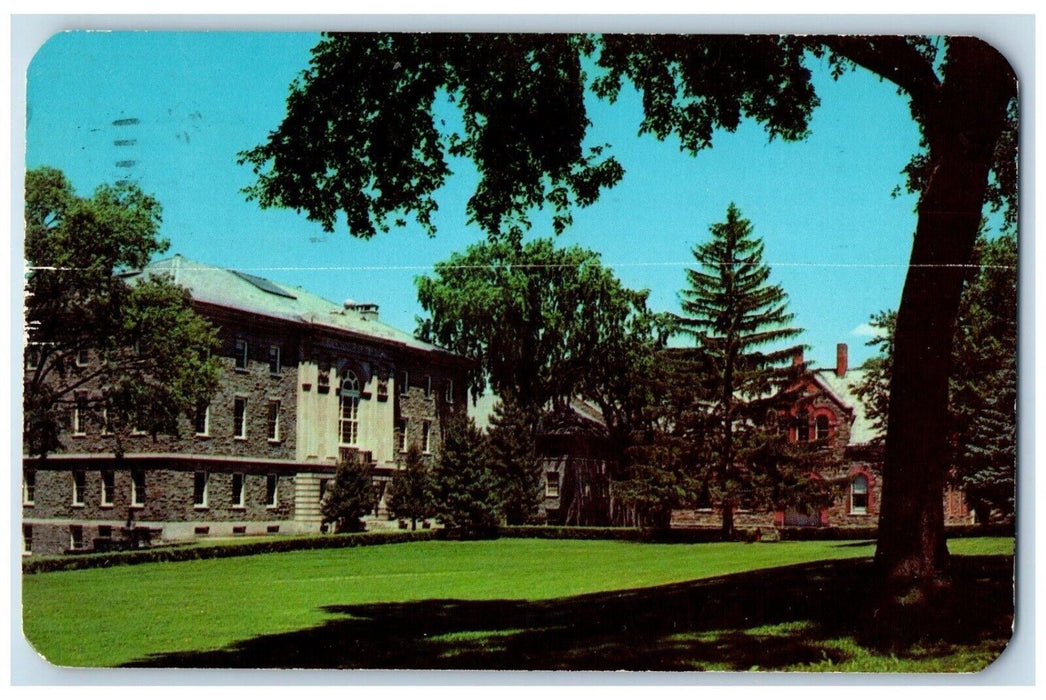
(241, 502)
(79, 486)
(202, 503)
(238, 401)
(104, 501)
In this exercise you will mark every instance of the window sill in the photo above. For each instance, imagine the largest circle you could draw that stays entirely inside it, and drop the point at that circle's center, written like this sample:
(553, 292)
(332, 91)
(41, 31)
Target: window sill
(30, 504)
(241, 370)
(272, 506)
(137, 506)
(859, 514)
(77, 505)
(240, 438)
(106, 505)
(202, 436)
(241, 507)
(78, 435)
(199, 507)
(275, 441)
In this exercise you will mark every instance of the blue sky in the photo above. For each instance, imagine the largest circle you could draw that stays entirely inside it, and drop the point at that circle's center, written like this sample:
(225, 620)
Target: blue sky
(837, 240)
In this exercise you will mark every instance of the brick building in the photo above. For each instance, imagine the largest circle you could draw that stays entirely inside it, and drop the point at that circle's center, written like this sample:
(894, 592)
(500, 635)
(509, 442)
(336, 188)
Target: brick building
(307, 382)
(829, 411)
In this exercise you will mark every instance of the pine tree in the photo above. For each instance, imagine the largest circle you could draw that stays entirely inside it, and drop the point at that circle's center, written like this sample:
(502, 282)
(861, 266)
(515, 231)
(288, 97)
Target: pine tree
(467, 498)
(733, 313)
(512, 435)
(410, 492)
(349, 497)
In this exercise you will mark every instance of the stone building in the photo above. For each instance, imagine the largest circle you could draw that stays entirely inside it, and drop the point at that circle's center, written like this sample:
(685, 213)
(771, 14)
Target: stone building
(307, 382)
(828, 410)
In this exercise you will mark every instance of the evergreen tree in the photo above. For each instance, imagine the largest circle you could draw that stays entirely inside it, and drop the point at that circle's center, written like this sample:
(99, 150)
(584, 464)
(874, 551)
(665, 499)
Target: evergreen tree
(410, 492)
(467, 495)
(349, 498)
(733, 312)
(512, 435)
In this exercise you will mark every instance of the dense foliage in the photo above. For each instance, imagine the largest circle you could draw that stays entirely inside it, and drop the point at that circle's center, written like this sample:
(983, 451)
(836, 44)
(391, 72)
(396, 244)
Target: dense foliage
(127, 356)
(409, 493)
(348, 497)
(468, 498)
(512, 436)
(542, 323)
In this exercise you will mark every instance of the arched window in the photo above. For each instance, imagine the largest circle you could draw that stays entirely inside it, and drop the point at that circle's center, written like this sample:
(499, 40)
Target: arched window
(859, 495)
(350, 410)
(822, 427)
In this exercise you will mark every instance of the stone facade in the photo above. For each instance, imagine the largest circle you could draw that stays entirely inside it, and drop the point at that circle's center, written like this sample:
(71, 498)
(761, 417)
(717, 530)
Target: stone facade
(305, 383)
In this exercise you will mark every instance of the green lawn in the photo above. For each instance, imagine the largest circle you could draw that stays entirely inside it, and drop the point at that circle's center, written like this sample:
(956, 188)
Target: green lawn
(509, 603)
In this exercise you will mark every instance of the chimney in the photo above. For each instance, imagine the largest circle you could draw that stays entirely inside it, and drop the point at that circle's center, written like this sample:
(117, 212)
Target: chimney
(840, 359)
(797, 358)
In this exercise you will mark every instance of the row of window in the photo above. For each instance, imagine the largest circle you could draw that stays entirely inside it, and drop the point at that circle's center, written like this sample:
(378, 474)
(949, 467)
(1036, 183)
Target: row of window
(201, 490)
(108, 489)
(242, 360)
(401, 435)
(79, 487)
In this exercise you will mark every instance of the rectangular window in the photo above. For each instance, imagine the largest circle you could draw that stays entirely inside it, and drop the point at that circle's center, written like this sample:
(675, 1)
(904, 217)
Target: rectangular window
(401, 435)
(27, 539)
(552, 483)
(76, 537)
(28, 487)
(137, 488)
(107, 427)
(80, 415)
(82, 357)
(199, 490)
(274, 421)
(108, 487)
(238, 492)
(105, 532)
(239, 418)
(79, 482)
(240, 354)
(272, 490)
(404, 383)
(274, 359)
(202, 420)
(426, 432)
(428, 386)
(449, 397)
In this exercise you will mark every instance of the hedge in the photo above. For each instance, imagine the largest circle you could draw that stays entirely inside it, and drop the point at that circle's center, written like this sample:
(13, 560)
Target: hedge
(218, 551)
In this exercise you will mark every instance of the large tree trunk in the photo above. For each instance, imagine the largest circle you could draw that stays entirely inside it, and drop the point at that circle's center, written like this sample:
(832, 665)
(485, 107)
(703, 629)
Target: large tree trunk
(962, 126)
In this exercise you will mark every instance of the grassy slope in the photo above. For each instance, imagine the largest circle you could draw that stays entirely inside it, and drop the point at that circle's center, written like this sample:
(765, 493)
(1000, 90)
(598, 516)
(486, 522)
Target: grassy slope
(107, 617)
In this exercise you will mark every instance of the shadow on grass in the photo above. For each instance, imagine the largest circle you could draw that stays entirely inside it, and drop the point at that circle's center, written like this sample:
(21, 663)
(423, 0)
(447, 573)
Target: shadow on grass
(770, 618)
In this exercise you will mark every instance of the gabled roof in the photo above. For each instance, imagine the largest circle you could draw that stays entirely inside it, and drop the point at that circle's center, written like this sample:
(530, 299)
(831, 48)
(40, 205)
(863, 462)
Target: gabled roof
(842, 390)
(241, 291)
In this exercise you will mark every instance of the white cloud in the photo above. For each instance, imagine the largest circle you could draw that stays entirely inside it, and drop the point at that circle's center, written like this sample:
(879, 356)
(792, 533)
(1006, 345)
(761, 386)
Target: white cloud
(866, 330)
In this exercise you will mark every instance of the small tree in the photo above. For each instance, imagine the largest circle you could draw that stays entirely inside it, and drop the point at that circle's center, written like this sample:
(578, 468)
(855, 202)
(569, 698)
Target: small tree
(512, 435)
(349, 497)
(468, 498)
(410, 492)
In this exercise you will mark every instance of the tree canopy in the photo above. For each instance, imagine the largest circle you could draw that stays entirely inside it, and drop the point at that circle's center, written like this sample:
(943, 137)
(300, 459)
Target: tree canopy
(543, 323)
(129, 356)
